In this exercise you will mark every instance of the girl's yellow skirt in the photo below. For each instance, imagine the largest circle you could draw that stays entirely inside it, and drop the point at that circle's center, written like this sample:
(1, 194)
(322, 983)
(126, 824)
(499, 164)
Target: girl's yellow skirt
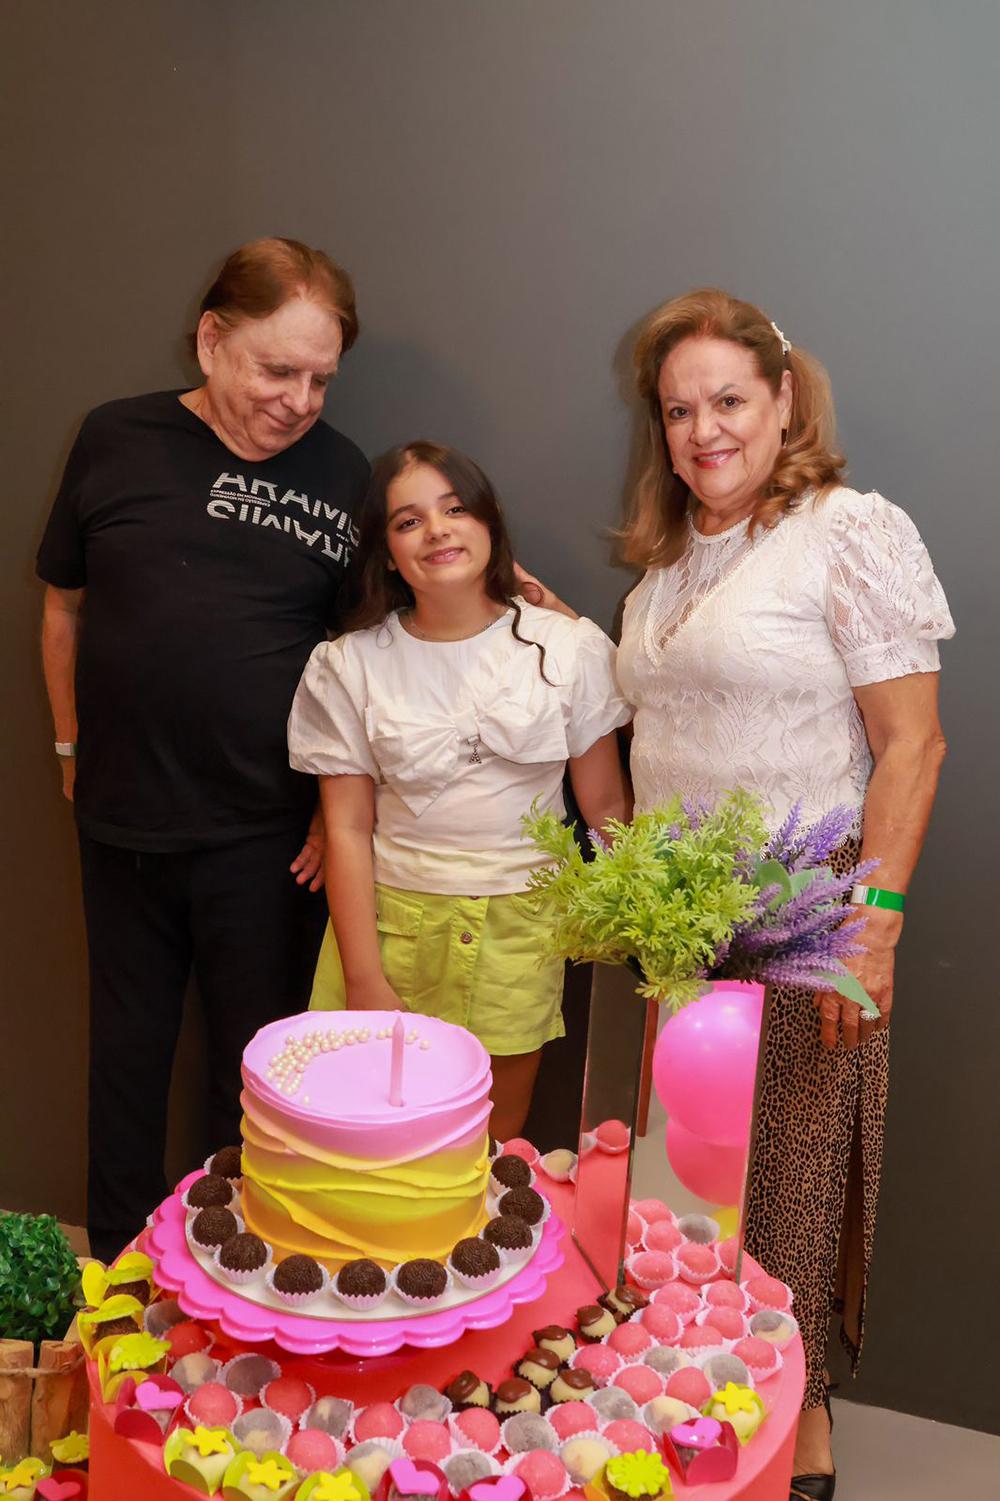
(478, 961)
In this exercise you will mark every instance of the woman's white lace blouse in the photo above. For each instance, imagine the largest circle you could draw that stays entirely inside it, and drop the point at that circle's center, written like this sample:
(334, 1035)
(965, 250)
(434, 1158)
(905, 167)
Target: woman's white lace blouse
(460, 737)
(742, 656)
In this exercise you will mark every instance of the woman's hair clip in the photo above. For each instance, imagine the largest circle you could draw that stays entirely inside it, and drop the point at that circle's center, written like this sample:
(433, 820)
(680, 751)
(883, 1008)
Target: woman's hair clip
(786, 347)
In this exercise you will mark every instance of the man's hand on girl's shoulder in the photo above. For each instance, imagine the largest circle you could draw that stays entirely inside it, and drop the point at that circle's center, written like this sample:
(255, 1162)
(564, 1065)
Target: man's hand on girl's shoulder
(536, 593)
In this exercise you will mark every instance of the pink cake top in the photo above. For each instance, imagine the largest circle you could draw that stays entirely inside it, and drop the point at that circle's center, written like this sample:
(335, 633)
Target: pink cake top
(325, 1077)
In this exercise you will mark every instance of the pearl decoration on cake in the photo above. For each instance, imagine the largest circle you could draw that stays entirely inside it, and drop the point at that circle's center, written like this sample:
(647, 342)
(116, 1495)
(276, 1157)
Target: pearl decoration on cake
(287, 1067)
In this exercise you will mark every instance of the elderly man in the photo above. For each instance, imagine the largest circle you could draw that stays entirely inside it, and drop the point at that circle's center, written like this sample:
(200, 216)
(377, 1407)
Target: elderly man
(193, 558)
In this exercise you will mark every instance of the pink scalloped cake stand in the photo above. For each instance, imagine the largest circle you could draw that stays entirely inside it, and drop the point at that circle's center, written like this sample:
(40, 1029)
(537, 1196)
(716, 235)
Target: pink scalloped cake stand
(253, 1323)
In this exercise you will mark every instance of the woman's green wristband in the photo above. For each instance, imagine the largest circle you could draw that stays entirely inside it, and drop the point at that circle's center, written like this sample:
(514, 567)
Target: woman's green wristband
(875, 896)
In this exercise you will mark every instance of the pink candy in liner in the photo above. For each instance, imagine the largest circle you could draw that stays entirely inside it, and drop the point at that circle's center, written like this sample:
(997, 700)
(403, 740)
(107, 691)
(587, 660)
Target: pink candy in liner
(729, 1250)
(641, 1383)
(427, 1440)
(476, 1428)
(697, 1264)
(627, 1435)
(213, 1406)
(571, 1418)
(651, 1270)
(662, 1322)
(683, 1300)
(261, 1431)
(518, 1147)
(726, 1295)
(768, 1292)
(289, 1396)
(663, 1236)
(542, 1471)
(635, 1229)
(630, 1341)
(652, 1210)
(762, 1360)
(311, 1449)
(379, 1420)
(729, 1323)
(599, 1361)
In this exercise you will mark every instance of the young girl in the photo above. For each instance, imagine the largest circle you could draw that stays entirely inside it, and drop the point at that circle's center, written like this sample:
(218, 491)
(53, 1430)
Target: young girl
(450, 707)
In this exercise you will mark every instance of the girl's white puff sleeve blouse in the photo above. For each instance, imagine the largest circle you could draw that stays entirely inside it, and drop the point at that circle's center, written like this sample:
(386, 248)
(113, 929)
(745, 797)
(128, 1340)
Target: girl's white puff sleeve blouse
(460, 738)
(742, 657)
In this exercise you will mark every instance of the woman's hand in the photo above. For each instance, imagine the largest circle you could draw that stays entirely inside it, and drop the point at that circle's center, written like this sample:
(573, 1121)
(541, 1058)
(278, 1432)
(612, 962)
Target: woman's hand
(536, 593)
(308, 863)
(874, 968)
(375, 994)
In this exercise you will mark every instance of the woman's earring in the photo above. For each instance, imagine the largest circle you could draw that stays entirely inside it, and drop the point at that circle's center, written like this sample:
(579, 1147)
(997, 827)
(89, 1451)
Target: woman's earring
(784, 437)
(391, 566)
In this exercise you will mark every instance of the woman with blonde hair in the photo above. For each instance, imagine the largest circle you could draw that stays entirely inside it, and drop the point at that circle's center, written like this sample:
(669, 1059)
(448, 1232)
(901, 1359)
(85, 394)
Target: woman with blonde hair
(784, 639)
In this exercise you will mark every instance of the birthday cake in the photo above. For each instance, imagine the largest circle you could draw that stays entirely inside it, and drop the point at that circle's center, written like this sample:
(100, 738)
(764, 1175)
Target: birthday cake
(357, 1144)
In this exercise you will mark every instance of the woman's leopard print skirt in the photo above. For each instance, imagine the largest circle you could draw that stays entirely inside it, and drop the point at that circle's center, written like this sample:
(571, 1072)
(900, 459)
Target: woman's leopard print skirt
(813, 1185)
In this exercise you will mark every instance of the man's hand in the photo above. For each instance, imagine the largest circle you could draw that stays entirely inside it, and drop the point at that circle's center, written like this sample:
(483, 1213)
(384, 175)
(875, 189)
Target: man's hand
(68, 776)
(308, 863)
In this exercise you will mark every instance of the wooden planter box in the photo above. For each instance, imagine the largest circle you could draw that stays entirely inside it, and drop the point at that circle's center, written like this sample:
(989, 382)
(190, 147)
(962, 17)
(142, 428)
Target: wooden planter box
(39, 1403)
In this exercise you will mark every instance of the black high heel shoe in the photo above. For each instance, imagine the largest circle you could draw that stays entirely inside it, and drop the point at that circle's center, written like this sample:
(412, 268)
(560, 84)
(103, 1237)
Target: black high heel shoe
(816, 1487)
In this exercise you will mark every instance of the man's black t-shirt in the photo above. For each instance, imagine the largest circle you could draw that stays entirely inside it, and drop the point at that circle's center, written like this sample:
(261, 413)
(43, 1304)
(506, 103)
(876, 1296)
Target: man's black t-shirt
(209, 579)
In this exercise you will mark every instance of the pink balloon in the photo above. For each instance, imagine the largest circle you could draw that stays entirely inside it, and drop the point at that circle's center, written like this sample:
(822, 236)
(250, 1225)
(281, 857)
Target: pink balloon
(712, 1172)
(705, 1061)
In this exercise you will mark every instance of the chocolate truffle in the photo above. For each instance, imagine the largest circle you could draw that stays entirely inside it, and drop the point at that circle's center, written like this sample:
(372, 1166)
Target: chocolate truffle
(557, 1339)
(572, 1385)
(540, 1367)
(423, 1403)
(512, 1172)
(468, 1390)
(516, 1395)
(624, 1301)
(210, 1191)
(227, 1163)
(526, 1431)
(492, 1146)
(475, 1258)
(595, 1323)
(525, 1203)
(361, 1279)
(298, 1274)
(509, 1232)
(465, 1469)
(244, 1252)
(421, 1278)
(213, 1227)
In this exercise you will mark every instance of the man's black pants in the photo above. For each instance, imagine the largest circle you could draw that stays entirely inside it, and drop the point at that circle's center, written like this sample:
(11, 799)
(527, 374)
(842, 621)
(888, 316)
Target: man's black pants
(233, 916)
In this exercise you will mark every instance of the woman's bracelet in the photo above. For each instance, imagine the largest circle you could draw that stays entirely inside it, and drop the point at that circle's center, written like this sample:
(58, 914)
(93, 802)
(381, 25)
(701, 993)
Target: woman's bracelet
(876, 896)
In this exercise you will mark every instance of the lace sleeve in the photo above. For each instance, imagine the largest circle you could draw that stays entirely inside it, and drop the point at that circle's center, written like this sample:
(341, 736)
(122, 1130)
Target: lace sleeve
(326, 730)
(885, 607)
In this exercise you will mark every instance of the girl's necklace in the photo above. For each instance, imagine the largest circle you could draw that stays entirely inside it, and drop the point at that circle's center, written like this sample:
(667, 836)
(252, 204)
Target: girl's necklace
(410, 625)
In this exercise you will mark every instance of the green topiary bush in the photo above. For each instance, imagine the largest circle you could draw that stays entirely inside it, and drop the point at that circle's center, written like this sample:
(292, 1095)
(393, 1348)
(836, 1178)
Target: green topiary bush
(39, 1278)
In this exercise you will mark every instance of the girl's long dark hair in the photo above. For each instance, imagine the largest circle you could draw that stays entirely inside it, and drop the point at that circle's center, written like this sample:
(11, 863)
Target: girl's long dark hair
(375, 590)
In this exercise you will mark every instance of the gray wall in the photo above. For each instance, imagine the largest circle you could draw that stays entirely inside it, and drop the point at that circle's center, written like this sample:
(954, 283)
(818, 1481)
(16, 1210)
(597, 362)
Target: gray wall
(514, 185)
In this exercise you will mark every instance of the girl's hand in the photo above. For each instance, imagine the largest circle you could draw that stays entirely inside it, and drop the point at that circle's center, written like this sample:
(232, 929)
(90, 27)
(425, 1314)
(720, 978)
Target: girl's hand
(874, 968)
(308, 863)
(373, 995)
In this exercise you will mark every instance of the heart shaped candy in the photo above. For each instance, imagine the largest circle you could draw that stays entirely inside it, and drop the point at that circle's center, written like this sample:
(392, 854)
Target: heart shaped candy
(154, 1398)
(416, 1477)
(54, 1489)
(499, 1488)
(701, 1433)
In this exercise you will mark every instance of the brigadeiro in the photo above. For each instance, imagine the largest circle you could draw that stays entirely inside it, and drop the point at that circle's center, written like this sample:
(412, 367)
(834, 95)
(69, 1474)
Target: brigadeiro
(421, 1278)
(361, 1279)
(509, 1232)
(213, 1227)
(512, 1172)
(227, 1163)
(297, 1275)
(468, 1390)
(516, 1395)
(555, 1338)
(540, 1367)
(209, 1191)
(525, 1203)
(243, 1253)
(474, 1258)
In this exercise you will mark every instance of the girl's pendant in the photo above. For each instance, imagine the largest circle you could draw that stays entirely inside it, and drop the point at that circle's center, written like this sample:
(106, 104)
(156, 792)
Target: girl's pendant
(475, 759)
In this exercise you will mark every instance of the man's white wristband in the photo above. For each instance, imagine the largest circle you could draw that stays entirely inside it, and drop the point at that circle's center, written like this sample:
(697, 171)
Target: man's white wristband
(65, 748)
